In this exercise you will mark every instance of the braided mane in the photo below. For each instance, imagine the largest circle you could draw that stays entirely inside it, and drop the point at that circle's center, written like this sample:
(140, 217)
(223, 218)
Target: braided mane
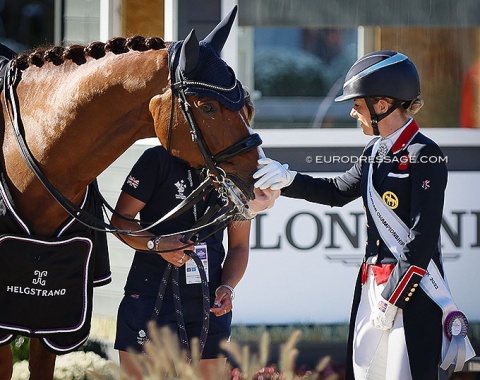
(78, 53)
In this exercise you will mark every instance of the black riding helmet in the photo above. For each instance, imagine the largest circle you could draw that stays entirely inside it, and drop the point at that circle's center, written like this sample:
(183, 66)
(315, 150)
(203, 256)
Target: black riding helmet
(382, 73)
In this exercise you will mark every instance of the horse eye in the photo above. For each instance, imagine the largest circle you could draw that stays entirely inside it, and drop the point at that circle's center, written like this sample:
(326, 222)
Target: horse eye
(207, 107)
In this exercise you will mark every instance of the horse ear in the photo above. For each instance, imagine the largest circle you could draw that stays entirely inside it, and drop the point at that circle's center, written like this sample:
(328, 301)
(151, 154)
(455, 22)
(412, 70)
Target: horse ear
(219, 35)
(189, 55)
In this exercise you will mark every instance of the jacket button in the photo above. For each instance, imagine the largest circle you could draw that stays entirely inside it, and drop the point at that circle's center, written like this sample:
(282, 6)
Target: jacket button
(378, 243)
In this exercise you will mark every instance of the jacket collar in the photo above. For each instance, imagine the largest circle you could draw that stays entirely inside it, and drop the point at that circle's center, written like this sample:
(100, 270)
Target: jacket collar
(406, 136)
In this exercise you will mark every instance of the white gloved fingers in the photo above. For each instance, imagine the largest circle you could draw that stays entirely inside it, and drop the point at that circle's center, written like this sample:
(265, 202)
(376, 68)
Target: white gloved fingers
(270, 168)
(261, 153)
(264, 161)
(268, 180)
(264, 176)
(283, 181)
(272, 174)
(267, 173)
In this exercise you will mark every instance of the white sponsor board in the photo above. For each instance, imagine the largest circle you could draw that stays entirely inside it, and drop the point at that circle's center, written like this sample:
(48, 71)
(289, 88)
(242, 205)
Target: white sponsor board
(304, 257)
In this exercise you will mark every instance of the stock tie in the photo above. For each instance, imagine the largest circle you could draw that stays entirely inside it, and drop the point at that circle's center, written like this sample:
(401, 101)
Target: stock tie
(381, 153)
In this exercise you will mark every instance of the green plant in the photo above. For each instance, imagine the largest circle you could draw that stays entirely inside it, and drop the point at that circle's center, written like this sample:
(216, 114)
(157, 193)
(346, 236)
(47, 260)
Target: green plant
(20, 348)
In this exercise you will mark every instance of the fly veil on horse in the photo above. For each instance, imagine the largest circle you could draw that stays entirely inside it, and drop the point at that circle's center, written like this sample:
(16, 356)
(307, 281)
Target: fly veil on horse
(68, 114)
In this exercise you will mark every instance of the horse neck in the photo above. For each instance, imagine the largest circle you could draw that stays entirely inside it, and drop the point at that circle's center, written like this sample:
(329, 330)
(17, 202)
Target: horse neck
(77, 121)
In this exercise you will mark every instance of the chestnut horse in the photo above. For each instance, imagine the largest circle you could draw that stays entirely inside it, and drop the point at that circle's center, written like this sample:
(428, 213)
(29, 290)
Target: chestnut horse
(81, 107)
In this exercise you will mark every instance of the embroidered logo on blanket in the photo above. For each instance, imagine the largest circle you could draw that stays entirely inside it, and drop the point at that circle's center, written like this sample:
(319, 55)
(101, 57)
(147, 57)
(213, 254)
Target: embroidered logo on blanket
(38, 279)
(53, 276)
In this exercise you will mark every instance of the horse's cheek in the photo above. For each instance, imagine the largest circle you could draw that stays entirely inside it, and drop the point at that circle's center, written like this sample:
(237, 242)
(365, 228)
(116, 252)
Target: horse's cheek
(157, 107)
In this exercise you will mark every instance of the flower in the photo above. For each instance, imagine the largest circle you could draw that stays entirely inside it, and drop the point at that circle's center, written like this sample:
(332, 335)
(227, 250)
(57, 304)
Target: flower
(20, 371)
(72, 366)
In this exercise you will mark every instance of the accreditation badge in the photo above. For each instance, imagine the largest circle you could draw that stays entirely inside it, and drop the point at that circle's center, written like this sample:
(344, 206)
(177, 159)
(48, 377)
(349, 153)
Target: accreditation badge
(192, 274)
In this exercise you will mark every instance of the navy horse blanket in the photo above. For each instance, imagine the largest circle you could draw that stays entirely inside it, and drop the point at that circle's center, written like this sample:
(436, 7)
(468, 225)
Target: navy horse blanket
(46, 285)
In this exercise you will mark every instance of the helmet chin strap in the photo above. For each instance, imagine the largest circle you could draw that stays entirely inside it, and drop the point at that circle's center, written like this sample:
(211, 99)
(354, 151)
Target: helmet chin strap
(376, 117)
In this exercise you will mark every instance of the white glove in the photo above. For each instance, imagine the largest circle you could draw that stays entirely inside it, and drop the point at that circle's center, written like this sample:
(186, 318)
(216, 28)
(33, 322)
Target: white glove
(383, 317)
(271, 174)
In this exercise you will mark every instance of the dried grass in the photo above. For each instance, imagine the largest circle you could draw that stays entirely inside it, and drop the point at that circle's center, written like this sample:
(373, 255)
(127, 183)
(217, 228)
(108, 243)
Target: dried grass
(164, 359)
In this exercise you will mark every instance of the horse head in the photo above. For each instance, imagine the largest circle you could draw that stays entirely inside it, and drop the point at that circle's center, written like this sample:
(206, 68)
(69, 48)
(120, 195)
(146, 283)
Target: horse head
(209, 123)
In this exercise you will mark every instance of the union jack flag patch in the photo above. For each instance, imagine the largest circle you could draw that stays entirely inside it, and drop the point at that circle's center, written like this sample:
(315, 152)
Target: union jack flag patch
(426, 184)
(132, 181)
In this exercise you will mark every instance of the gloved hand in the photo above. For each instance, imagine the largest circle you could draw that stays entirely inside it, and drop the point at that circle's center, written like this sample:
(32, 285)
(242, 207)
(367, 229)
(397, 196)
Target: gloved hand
(383, 317)
(264, 199)
(271, 174)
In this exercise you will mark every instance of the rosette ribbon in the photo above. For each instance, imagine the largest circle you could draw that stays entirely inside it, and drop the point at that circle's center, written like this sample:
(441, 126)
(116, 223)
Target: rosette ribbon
(455, 329)
(456, 347)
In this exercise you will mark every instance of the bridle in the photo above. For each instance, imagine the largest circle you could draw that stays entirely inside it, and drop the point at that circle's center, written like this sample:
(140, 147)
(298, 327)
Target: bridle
(225, 186)
(244, 145)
